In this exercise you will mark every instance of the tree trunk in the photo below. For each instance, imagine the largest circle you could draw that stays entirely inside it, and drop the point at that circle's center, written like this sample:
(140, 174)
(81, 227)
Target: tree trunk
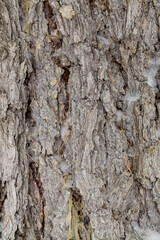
(79, 119)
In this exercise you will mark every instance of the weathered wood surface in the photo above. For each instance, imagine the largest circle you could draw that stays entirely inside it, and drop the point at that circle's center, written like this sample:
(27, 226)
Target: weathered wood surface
(79, 119)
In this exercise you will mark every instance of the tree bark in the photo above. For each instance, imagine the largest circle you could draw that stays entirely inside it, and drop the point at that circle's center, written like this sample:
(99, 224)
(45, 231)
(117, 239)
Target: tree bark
(79, 119)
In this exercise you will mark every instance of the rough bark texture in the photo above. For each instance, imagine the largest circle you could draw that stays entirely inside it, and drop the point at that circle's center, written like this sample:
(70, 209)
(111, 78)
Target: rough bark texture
(79, 119)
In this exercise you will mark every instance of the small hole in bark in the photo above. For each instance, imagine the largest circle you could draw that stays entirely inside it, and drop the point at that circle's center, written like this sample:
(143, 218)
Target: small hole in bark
(28, 112)
(140, 108)
(66, 74)
(79, 212)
